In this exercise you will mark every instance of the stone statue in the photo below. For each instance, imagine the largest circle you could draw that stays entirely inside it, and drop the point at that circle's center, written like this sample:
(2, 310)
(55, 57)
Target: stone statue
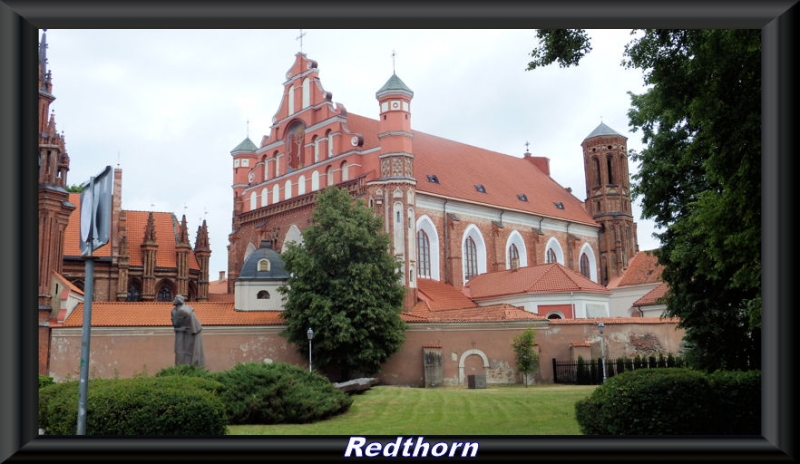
(188, 334)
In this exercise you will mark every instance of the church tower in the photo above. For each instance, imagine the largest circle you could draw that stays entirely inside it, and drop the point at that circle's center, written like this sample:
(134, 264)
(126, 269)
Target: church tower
(53, 201)
(396, 187)
(608, 199)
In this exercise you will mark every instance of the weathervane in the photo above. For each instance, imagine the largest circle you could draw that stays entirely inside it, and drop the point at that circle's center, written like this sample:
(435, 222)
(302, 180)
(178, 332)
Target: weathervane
(300, 38)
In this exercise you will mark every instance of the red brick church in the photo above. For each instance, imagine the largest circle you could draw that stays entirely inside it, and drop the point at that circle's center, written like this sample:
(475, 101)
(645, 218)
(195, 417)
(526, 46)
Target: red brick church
(489, 243)
(455, 211)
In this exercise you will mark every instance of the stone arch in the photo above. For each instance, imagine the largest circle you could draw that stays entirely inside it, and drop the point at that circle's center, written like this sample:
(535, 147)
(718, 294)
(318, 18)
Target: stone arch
(424, 223)
(586, 249)
(473, 232)
(464, 356)
(293, 235)
(553, 244)
(515, 238)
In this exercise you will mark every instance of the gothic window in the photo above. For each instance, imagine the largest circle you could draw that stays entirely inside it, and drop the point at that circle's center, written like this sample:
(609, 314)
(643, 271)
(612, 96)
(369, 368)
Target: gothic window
(263, 265)
(596, 172)
(301, 185)
(470, 258)
(164, 294)
(134, 292)
(551, 256)
(264, 196)
(276, 194)
(610, 170)
(585, 269)
(263, 295)
(253, 200)
(315, 181)
(287, 189)
(424, 254)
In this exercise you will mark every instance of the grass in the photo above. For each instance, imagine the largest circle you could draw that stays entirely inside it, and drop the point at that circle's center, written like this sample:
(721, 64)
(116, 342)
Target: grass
(496, 410)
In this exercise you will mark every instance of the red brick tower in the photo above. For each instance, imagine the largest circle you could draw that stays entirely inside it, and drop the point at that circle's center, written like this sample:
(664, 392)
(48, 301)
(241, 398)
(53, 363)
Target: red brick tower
(608, 199)
(395, 189)
(54, 205)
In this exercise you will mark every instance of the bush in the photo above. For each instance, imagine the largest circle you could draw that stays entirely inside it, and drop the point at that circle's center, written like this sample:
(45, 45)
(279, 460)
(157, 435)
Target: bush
(665, 401)
(257, 393)
(169, 405)
(185, 370)
(737, 402)
(45, 381)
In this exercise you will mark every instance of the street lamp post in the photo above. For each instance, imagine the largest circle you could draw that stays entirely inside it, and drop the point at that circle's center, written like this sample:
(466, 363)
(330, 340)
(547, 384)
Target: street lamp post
(310, 335)
(602, 327)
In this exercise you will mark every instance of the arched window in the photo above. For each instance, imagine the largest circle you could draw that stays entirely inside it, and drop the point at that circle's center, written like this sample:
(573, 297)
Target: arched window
(596, 172)
(164, 294)
(610, 169)
(470, 258)
(301, 185)
(551, 256)
(262, 295)
(553, 253)
(345, 173)
(424, 254)
(264, 196)
(329, 175)
(306, 92)
(134, 292)
(287, 189)
(263, 265)
(276, 194)
(253, 201)
(315, 181)
(585, 269)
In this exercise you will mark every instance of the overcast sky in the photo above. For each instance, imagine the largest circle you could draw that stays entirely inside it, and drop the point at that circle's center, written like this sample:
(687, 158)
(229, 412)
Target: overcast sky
(168, 106)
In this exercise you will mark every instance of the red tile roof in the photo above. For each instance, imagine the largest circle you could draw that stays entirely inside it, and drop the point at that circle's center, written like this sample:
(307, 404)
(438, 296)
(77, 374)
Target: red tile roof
(651, 297)
(218, 287)
(642, 269)
(503, 176)
(440, 295)
(542, 278)
(495, 313)
(147, 314)
(167, 227)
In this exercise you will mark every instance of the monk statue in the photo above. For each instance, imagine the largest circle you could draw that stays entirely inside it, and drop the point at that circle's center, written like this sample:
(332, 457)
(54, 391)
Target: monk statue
(188, 334)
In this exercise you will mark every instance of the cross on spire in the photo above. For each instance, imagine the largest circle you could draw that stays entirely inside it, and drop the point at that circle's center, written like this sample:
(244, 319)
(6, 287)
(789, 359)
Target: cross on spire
(526, 147)
(300, 38)
(248, 128)
(393, 55)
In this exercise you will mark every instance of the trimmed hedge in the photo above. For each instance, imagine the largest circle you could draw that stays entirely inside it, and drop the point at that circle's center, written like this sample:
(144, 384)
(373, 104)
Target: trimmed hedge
(258, 393)
(165, 406)
(673, 401)
(667, 401)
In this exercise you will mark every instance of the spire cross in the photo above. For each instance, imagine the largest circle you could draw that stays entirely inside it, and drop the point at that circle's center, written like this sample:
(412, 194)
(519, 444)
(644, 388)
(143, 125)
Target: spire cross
(300, 38)
(248, 128)
(393, 55)
(526, 146)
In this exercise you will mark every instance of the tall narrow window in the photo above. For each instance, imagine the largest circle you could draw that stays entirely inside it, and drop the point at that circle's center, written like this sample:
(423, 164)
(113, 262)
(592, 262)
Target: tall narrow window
(610, 170)
(596, 172)
(551, 256)
(329, 175)
(470, 258)
(585, 266)
(424, 254)
(164, 294)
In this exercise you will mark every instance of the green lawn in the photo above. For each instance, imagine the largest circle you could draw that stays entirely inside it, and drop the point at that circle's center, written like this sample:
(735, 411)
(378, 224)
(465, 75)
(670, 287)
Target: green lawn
(496, 410)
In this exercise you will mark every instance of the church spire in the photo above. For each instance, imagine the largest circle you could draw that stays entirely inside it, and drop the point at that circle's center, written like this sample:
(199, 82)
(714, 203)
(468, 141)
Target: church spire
(43, 77)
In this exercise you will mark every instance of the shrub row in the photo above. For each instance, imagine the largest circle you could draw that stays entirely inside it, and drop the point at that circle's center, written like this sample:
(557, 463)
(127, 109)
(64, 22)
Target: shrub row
(137, 406)
(190, 400)
(674, 401)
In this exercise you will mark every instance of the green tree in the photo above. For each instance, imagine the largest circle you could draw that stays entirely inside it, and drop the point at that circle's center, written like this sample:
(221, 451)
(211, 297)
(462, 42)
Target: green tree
(344, 285)
(527, 358)
(75, 188)
(700, 180)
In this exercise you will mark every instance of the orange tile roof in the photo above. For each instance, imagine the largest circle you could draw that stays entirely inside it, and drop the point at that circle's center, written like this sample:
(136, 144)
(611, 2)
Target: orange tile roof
(218, 286)
(651, 297)
(147, 314)
(440, 295)
(495, 313)
(69, 285)
(167, 226)
(642, 269)
(542, 278)
(580, 344)
(503, 176)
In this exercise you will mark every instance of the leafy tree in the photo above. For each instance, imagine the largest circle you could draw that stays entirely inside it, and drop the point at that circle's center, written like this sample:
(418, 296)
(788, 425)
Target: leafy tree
(699, 179)
(344, 285)
(527, 358)
(75, 188)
